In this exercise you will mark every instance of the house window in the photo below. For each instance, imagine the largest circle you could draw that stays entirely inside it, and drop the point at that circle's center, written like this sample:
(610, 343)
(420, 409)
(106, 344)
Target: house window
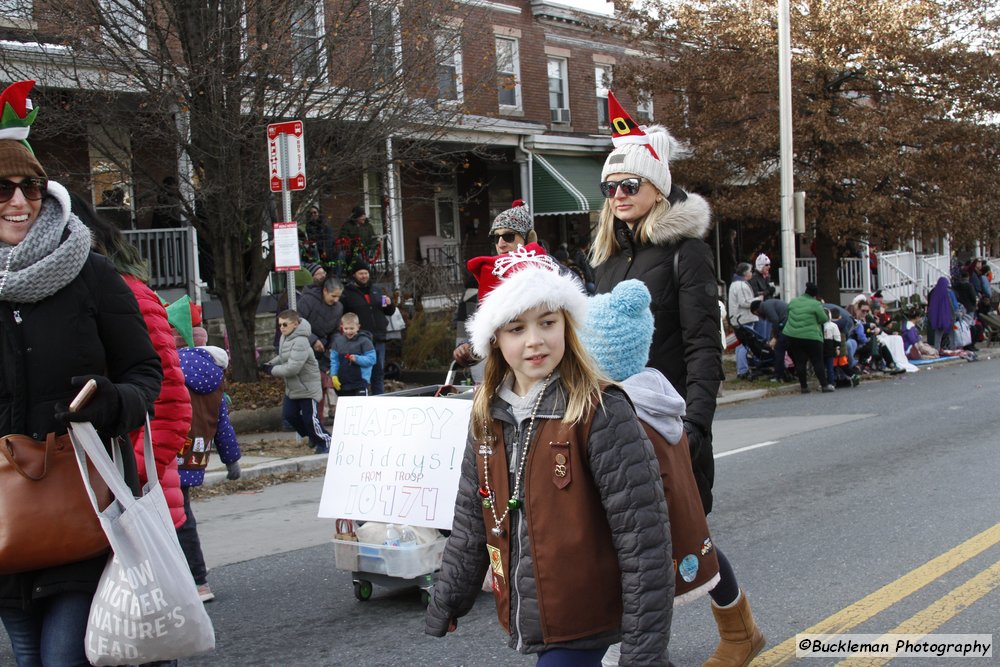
(644, 108)
(124, 24)
(308, 57)
(448, 49)
(15, 11)
(386, 48)
(558, 90)
(446, 214)
(373, 185)
(508, 74)
(602, 75)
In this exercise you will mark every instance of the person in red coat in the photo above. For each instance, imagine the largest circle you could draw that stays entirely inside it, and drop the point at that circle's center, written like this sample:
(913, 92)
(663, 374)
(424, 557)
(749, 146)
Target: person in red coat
(172, 409)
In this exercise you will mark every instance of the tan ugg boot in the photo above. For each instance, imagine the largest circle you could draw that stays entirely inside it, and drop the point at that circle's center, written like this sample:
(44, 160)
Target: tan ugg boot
(740, 638)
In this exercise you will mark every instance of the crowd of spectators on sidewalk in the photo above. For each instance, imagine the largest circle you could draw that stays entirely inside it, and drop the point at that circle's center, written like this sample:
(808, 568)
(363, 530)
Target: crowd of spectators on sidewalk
(867, 336)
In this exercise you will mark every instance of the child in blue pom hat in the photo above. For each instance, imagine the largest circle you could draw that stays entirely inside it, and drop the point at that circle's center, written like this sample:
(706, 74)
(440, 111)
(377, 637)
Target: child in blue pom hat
(618, 333)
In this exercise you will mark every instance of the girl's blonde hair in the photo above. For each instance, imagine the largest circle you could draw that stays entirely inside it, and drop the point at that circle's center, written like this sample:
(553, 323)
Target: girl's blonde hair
(605, 244)
(578, 373)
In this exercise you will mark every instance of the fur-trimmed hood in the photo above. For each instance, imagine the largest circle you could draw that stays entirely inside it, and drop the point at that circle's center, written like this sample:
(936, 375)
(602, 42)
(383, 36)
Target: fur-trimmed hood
(688, 217)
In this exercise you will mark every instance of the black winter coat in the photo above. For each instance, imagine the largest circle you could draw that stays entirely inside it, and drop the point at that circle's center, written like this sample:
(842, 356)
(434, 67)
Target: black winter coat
(762, 286)
(324, 320)
(90, 326)
(687, 343)
(366, 302)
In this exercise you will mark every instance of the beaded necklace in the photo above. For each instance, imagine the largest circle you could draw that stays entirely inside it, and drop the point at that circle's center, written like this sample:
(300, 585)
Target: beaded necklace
(488, 495)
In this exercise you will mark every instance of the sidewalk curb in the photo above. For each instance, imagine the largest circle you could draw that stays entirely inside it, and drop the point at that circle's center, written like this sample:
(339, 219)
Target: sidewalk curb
(295, 464)
(741, 395)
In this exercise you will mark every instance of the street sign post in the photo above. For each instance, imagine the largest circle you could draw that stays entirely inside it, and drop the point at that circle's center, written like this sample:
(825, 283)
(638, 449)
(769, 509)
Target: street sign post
(287, 171)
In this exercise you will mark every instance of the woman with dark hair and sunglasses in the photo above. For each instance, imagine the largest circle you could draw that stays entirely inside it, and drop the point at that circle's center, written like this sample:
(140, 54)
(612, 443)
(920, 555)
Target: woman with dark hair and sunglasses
(510, 230)
(66, 316)
(652, 230)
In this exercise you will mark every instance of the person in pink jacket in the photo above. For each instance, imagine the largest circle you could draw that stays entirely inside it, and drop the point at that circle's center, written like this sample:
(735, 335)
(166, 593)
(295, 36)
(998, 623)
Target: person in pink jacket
(172, 409)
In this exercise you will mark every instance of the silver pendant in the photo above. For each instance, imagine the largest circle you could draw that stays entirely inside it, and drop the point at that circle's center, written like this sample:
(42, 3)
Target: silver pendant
(497, 531)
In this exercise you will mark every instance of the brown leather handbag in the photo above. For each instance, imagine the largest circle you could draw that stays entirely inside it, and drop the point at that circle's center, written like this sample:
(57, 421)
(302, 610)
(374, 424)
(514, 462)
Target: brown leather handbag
(46, 518)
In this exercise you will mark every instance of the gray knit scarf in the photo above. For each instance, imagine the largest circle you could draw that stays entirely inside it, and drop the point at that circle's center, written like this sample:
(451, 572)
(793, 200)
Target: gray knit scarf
(45, 262)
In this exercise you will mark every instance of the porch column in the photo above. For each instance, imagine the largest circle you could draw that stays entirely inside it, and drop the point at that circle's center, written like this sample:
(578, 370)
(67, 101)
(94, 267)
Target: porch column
(395, 214)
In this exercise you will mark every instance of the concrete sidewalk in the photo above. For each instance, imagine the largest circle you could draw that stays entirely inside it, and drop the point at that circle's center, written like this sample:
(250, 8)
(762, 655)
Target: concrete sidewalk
(258, 466)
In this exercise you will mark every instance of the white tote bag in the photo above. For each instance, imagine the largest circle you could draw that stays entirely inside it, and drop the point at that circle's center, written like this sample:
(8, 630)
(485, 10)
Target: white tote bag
(147, 606)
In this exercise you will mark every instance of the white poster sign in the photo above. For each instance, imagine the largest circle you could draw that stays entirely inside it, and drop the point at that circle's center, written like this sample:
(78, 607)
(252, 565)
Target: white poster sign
(286, 246)
(396, 460)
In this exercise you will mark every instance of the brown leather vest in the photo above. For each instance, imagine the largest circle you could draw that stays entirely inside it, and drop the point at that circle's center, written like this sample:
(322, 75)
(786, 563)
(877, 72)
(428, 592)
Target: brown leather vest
(576, 572)
(695, 560)
(201, 438)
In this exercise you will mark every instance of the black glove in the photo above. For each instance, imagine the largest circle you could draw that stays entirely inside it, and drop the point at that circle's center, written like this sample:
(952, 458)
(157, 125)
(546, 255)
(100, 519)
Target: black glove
(103, 410)
(234, 470)
(267, 368)
(695, 438)
(702, 462)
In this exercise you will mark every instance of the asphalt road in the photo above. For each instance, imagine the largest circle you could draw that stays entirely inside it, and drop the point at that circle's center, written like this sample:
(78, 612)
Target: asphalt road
(869, 510)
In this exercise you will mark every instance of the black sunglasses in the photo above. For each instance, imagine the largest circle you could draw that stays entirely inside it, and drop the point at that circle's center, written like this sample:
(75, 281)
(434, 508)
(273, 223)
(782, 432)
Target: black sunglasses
(33, 189)
(506, 236)
(629, 186)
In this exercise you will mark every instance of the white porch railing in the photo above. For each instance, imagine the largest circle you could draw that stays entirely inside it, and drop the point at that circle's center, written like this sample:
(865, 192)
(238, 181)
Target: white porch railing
(172, 256)
(901, 274)
(897, 275)
(930, 268)
(850, 273)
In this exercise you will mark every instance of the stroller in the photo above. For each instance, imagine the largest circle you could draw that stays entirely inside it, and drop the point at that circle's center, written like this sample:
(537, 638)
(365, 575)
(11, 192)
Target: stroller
(760, 356)
(991, 327)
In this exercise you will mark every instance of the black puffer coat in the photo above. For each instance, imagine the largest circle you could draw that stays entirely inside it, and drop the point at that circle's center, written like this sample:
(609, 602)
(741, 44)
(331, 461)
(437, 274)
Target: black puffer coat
(90, 326)
(622, 465)
(687, 344)
(366, 302)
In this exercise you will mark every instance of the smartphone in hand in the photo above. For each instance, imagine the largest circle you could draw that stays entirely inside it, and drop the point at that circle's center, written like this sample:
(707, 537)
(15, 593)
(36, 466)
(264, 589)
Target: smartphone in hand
(84, 395)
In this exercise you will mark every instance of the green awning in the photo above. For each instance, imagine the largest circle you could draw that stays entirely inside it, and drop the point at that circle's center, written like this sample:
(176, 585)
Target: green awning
(564, 184)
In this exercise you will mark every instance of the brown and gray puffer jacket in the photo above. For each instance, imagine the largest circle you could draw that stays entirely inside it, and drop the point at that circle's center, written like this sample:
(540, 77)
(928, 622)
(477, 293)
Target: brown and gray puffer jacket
(621, 463)
(687, 344)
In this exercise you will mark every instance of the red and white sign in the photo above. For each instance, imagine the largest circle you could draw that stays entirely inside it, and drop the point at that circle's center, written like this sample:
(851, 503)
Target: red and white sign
(286, 247)
(287, 138)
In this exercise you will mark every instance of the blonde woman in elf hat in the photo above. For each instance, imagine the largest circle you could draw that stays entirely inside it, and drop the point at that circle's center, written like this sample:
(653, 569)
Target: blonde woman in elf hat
(560, 492)
(617, 334)
(652, 230)
(66, 316)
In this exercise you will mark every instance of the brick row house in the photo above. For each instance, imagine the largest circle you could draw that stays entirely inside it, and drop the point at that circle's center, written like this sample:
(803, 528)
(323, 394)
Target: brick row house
(526, 81)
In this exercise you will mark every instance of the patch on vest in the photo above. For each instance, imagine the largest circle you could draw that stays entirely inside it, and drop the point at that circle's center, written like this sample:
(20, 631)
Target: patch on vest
(706, 546)
(495, 562)
(689, 568)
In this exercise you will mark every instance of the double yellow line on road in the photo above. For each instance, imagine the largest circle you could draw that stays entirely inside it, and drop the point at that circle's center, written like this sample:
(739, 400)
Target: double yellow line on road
(931, 618)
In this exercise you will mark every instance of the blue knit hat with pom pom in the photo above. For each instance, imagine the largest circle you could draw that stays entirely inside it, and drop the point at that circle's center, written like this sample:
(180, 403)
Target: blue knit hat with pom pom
(619, 329)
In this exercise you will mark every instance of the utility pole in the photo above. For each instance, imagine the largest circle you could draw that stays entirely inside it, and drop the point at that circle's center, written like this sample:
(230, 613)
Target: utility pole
(788, 287)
